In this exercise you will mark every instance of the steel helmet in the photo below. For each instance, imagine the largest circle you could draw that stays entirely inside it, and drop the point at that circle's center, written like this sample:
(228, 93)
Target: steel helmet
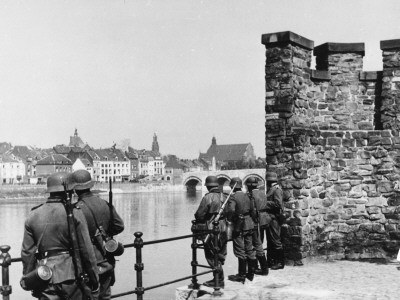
(211, 181)
(56, 181)
(82, 180)
(238, 182)
(252, 181)
(271, 176)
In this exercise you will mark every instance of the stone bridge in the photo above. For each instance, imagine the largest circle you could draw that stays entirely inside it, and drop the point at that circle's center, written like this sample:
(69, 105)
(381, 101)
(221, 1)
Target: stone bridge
(193, 179)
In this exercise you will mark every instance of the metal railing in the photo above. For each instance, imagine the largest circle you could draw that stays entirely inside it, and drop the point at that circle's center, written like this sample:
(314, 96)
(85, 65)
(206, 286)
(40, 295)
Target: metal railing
(138, 244)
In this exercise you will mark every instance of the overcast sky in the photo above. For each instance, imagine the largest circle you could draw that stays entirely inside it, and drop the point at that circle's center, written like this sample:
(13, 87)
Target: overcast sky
(187, 70)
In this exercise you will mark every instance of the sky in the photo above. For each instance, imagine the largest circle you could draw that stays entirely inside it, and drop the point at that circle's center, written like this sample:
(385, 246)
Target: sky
(183, 69)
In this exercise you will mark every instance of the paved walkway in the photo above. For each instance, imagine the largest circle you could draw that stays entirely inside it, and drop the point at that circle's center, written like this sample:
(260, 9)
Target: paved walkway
(337, 280)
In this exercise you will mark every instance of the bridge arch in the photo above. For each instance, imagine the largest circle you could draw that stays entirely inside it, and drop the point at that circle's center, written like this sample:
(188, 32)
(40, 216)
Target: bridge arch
(192, 181)
(258, 176)
(223, 179)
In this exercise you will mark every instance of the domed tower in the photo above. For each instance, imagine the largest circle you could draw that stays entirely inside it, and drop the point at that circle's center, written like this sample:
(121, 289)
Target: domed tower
(155, 147)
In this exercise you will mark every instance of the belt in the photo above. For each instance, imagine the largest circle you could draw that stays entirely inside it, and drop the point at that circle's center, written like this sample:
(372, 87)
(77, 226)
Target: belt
(51, 253)
(263, 210)
(246, 214)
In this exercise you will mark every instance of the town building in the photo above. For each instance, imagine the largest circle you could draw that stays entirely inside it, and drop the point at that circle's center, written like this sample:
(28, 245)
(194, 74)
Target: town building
(29, 156)
(173, 171)
(111, 163)
(83, 164)
(133, 158)
(12, 170)
(234, 155)
(52, 164)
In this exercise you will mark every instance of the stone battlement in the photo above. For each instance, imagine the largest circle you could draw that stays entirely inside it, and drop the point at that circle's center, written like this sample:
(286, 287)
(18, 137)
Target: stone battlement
(332, 136)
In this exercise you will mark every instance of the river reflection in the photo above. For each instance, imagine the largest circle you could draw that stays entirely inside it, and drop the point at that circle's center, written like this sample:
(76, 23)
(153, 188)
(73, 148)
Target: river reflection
(158, 215)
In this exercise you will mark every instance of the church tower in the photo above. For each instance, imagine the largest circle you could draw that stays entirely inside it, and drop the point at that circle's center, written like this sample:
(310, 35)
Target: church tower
(154, 146)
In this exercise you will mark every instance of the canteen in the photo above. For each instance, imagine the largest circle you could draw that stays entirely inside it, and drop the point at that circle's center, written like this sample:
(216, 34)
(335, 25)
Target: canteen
(38, 279)
(114, 247)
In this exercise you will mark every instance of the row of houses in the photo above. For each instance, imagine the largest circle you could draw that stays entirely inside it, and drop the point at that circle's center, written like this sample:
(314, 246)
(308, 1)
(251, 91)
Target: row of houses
(24, 164)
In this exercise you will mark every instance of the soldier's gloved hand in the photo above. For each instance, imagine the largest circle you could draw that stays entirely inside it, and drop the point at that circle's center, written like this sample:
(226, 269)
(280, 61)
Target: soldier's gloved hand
(36, 294)
(96, 288)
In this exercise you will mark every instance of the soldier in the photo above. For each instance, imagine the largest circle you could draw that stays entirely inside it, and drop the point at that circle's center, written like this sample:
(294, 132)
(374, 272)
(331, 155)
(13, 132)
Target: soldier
(275, 254)
(103, 221)
(47, 241)
(208, 209)
(260, 204)
(241, 212)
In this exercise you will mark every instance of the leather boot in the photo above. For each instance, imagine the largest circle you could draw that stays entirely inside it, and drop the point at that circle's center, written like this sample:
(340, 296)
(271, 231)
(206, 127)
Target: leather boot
(280, 260)
(252, 265)
(241, 276)
(221, 283)
(270, 258)
(264, 266)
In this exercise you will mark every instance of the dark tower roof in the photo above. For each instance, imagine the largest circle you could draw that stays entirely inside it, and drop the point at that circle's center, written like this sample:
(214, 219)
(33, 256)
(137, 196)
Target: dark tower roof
(155, 147)
(76, 141)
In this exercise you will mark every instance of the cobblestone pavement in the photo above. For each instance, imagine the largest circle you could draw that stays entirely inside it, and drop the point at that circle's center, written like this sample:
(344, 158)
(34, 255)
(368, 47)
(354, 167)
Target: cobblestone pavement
(324, 280)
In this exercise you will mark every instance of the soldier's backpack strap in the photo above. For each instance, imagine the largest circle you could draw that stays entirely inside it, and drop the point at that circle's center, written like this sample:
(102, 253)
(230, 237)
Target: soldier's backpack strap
(103, 234)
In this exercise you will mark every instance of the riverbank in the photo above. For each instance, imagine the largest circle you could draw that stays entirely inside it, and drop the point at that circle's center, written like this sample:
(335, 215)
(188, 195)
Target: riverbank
(39, 191)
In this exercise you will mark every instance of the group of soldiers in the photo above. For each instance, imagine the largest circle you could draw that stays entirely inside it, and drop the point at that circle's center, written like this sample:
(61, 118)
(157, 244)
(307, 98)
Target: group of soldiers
(253, 216)
(70, 239)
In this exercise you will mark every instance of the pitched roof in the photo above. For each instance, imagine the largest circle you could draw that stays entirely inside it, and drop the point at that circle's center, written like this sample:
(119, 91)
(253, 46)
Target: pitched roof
(62, 149)
(173, 164)
(55, 159)
(111, 154)
(23, 152)
(86, 162)
(232, 152)
(4, 147)
(7, 158)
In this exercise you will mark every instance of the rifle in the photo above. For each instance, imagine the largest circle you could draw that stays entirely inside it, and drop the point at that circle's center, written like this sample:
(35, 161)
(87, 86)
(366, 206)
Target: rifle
(221, 210)
(110, 204)
(80, 275)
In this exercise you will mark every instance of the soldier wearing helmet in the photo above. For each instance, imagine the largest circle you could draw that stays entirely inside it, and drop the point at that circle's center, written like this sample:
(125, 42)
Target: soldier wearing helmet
(275, 253)
(208, 209)
(101, 218)
(241, 212)
(47, 241)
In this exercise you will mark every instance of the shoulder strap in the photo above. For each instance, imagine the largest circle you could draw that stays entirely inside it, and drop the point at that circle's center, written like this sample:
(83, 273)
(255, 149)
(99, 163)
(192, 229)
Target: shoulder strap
(100, 228)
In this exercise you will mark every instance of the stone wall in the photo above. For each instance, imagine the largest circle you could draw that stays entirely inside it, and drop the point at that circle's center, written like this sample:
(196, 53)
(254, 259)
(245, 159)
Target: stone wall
(332, 136)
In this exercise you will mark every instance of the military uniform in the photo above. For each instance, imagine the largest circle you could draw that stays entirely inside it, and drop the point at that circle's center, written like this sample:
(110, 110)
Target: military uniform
(208, 209)
(241, 213)
(275, 252)
(47, 241)
(94, 205)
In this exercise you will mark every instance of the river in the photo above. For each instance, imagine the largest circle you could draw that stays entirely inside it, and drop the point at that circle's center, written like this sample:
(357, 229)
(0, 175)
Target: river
(158, 215)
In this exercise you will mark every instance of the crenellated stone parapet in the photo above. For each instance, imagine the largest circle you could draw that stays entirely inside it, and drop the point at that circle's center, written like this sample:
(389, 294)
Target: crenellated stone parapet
(332, 138)
(390, 109)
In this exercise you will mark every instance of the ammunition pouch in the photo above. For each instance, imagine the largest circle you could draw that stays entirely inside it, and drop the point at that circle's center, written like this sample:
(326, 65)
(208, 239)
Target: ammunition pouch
(239, 224)
(202, 227)
(281, 218)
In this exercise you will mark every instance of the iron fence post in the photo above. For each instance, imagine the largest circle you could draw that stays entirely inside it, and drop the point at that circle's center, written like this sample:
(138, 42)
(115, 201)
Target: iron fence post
(138, 244)
(194, 262)
(5, 261)
(217, 288)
